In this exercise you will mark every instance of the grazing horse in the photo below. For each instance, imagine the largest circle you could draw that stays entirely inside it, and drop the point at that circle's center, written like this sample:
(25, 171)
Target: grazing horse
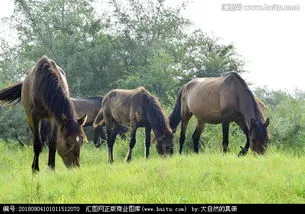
(89, 106)
(44, 94)
(221, 100)
(135, 108)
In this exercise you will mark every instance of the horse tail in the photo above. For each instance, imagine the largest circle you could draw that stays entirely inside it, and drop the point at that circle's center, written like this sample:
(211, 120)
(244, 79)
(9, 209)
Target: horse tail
(175, 116)
(11, 93)
(99, 119)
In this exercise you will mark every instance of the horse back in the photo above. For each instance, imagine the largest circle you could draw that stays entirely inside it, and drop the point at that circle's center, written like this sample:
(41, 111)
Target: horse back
(201, 97)
(208, 98)
(117, 105)
(124, 106)
(89, 106)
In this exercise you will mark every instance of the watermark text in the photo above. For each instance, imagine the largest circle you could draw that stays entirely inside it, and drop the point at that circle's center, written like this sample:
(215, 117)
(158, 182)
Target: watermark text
(262, 7)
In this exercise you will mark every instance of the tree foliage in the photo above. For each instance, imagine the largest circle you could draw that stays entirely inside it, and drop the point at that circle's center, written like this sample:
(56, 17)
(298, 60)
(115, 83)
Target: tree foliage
(131, 43)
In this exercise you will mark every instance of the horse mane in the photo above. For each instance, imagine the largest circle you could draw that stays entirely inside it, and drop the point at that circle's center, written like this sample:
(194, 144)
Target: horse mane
(55, 96)
(154, 110)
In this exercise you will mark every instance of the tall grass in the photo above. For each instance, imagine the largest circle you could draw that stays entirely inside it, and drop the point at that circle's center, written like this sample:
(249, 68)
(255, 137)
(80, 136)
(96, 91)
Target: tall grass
(210, 177)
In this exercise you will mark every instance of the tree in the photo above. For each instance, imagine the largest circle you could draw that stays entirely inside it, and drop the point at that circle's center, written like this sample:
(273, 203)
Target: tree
(132, 43)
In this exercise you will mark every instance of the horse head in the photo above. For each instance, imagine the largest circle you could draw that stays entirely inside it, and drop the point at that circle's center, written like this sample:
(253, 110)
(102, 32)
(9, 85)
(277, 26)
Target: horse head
(165, 143)
(70, 139)
(259, 136)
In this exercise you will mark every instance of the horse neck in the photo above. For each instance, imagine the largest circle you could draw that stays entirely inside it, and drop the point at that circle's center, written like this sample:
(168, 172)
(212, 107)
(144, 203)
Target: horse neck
(249, 109)
(69, 113)
(66, 109)
(156, 118)
(158, 131)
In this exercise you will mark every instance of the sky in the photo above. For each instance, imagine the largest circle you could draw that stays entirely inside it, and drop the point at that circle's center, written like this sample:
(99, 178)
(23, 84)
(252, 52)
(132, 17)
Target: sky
(271, 41)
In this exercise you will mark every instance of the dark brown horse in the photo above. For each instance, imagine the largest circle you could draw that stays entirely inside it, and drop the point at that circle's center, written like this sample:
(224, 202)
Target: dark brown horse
(44, 94)
(221, 100)
(135, 108)
(89, 106)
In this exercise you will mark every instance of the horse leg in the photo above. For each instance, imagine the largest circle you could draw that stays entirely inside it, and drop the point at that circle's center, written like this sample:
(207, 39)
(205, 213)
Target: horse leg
(52, 148)
(196, 135)
(147, 140)
(37, 145)
(245, 149)
(225, 136)
(98, 134)
(122, 131)
(111, 135)
(132, 142)
(184, 123)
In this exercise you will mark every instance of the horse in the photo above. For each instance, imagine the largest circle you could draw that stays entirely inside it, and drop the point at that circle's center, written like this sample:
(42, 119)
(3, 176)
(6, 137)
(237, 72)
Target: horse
(222, 99)
(89, 106)
(44, 94)
(135, 108)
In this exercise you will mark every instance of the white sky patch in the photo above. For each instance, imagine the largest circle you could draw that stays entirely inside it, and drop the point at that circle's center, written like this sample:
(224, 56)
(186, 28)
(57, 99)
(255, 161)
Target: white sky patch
(271, 42)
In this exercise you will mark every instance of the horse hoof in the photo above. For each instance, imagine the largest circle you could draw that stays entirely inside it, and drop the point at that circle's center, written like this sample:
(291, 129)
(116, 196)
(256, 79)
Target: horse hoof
(226, 151)
(241, 153)
(51, 168)
(35, 171)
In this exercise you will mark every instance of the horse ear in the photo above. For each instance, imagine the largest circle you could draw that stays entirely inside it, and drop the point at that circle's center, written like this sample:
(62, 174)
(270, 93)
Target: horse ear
(82, 120)
(267, 122)
(64, 119)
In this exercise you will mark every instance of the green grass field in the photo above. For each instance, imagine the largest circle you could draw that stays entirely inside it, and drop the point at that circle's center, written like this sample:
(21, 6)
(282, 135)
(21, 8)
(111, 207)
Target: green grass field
(210, 177)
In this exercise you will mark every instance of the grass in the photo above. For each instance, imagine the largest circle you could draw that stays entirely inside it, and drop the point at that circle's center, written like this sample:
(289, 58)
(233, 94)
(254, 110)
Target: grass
(210, 177)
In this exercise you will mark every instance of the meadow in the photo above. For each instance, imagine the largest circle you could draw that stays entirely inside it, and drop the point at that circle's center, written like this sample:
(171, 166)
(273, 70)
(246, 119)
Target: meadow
(209, 177)
(142, 43)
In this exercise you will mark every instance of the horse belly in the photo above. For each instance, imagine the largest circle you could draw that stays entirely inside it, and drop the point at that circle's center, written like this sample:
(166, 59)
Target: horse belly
(206, 110)
(212, 117)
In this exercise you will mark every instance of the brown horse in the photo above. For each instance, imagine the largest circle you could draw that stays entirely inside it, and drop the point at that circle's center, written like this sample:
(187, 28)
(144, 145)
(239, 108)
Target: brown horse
(135, 108)
(221, 100)
(44, 94)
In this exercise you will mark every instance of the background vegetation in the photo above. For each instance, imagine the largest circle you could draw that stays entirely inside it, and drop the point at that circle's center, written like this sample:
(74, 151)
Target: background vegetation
(127, 44)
